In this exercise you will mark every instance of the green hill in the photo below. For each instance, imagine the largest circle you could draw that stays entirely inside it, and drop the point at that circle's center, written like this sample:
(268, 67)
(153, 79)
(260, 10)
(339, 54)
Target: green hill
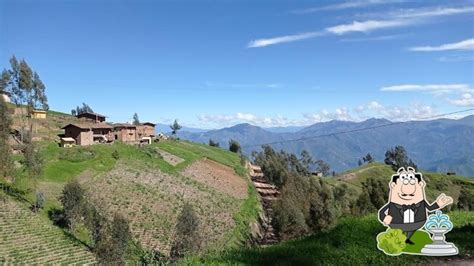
(147, 185)
(351, 242)
(436, 183)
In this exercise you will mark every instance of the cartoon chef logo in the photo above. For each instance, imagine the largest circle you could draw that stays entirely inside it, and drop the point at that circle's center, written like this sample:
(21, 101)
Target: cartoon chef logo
(407, 209)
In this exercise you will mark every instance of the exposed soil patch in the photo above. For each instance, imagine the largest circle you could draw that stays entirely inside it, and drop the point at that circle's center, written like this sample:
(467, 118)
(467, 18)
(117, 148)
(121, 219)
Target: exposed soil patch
(170, 158)
(220, 177)
(151, 200)
(347, 177)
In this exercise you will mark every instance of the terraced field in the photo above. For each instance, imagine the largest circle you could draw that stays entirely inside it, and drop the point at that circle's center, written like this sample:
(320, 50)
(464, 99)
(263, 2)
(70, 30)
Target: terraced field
(151, 200)
(27, 239)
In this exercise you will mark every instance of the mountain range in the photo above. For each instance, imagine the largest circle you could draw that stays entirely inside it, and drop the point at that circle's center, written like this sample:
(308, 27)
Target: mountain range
(441, 145)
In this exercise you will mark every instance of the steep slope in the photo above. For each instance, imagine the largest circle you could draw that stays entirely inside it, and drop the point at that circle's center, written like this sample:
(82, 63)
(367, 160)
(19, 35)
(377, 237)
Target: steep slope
(146, 188)
(26, 238)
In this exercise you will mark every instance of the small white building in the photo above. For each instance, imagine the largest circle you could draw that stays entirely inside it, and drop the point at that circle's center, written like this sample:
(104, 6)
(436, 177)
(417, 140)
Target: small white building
(5, 96)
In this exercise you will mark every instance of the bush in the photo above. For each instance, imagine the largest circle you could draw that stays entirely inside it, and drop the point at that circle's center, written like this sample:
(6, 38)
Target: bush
(213, 143)
(466, 200)
(392, 241)
(72, 199)
(372, 198)
(234, 146)
(116, 155)
(305, 205)
(187, 240)
(39, 202)
(113, 241)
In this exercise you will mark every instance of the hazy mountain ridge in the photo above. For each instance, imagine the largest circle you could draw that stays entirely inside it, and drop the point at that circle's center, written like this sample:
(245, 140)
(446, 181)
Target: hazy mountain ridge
(437, 145)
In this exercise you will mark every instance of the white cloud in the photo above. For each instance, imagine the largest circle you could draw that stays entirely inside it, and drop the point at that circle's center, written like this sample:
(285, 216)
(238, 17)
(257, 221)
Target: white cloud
(466, 99)
(232, 119)
(283, 39)
(433, 88)
(366, 26)
(462, 45)
(394, 113)
(400, 18)
(433, 12)
(345, 5)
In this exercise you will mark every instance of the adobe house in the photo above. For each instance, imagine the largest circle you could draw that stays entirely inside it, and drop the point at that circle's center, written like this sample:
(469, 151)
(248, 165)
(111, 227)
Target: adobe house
(38, 114)
(91, 117)
(89, 133)
(125, 132)
(146, 129)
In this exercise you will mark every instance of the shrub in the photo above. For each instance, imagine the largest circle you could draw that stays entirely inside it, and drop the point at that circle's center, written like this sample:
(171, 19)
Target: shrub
(113, 241)
(466, 200)
(213, 143)
(372, 197)
(39, 202)
(116, 155)
(392, 241)
(72, 199)
(234, 146)
(187, 240)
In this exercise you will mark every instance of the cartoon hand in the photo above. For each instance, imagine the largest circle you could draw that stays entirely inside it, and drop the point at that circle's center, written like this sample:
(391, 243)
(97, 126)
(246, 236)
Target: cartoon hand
(444, 200)
(387, 220)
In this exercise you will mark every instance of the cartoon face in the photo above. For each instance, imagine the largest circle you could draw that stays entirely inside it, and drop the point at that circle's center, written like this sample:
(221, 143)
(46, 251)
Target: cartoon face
(407, 187)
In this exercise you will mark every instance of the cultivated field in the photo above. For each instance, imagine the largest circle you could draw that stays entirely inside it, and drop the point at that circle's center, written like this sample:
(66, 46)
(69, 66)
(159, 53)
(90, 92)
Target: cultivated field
(27, 238)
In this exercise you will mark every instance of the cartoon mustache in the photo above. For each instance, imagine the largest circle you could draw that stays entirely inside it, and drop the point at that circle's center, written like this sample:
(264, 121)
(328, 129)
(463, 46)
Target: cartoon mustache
(408, 194)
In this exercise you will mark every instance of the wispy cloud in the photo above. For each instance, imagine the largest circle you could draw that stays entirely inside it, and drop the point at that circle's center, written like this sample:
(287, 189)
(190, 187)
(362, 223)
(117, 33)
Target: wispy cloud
(366, 26)
(283, 39)
(462, 45)
(433, 88)
(344, 5)
(376, 38)
(432, 12)
(401, 18)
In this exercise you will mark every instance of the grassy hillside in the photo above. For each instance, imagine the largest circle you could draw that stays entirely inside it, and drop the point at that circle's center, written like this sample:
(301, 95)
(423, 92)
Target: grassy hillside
(435, 183)
(146, 188)
(351, 242)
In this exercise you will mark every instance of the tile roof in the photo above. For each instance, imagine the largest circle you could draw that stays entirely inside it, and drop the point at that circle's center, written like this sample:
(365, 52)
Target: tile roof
(89, 126)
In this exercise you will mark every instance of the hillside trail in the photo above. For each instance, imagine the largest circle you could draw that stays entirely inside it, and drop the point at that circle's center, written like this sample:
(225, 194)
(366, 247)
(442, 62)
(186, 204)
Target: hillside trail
(268, 194)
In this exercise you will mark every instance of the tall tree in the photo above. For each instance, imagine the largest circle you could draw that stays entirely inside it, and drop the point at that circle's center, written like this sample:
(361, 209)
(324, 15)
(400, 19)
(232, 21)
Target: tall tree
(85, 108)
(323, 167)
(397, 157)
(136, 120)
(26, 90)
(368, 158)
(6, 162)
(113, 241)
(175, 127)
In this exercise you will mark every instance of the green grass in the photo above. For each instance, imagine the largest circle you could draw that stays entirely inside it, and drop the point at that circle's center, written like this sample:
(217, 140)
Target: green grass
(351, 242)
(190, 152)
(436, 183)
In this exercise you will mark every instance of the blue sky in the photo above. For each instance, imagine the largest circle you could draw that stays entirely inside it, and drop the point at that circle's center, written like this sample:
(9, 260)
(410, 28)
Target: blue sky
(272, 63)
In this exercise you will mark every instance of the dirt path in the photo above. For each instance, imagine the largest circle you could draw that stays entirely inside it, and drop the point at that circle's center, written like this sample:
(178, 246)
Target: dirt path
(170, 158)
(268, 193)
